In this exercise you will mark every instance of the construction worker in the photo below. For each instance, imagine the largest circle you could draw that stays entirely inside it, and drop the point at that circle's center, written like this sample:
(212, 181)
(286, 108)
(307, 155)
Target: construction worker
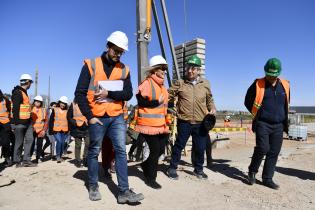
(40, 125)
(5, 129)
(23, 129)
(227, 121)
(104, 111)
(268, 100)
(58, 126)
(194, 102)
(79, 130)
(50, 139)
(152, 100)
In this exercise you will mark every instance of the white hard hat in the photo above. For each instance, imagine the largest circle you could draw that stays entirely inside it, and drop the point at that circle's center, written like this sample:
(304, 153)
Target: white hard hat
(38, 98)
(63, 99)
(119, 39)
(157, 60)
(26, 77)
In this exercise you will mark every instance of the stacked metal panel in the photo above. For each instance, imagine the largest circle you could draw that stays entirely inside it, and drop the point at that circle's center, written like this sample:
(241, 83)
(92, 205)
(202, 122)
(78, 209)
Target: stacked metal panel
(185, 50)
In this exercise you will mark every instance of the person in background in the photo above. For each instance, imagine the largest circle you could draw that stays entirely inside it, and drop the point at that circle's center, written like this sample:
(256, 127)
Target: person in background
(58, 126)
(39, 118)
(21, 119)
(79, 130)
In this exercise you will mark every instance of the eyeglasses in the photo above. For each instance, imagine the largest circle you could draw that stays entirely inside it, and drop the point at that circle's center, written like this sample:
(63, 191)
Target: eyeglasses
(117, 51)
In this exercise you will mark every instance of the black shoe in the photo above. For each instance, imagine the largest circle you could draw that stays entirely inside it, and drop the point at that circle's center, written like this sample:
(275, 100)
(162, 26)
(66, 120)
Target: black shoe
(53, 158)
(19, 165)
(129, 197)
(59, 160)
(36, 161)
(94, 193)
(269, 183)
(251, 178)
(29, 164)
(209, 163)
(171, 173)
(153, 184)
(201, 175)
(8, 162)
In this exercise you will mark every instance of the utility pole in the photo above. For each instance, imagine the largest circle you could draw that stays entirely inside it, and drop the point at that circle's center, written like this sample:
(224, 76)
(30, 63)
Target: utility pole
(142, 39)
(36, 81)
(48, 91)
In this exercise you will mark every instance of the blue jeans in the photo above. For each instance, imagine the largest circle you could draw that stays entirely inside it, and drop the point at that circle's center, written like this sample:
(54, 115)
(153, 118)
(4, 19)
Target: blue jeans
(60, 143)
(115, 129)
(199, 137)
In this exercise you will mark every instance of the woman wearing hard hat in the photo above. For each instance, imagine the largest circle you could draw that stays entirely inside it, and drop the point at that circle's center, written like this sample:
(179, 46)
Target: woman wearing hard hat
(58, 126)
(39, 121)
(151, 122)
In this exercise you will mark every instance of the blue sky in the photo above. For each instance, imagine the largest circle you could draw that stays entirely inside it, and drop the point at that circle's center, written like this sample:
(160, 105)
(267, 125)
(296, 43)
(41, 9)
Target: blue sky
(240, 35)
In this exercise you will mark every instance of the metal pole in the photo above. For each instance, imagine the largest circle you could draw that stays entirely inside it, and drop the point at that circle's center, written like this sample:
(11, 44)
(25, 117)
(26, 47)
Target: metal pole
(170, 39)
(48, 91)
(36, 81)
(142, 42)
(158, 29)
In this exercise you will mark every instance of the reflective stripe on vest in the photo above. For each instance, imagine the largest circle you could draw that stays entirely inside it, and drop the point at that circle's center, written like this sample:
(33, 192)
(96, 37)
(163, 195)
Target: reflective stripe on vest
(25, 108)
(260, 92)
(39, 117)
(60, 122)
(78, 116)
(96, 70)
(154, 116)
(4, 114)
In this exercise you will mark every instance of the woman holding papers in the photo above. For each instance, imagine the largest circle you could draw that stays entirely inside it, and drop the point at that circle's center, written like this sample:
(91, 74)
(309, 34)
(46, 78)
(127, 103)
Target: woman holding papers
(152, 99)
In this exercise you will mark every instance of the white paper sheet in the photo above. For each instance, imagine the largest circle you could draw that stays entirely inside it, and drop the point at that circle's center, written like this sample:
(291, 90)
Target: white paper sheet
(110, 85)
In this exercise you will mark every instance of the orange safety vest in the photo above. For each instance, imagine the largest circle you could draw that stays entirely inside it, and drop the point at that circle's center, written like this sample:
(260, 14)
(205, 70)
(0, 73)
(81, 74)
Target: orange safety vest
(4, 114)
(154, 116)
(60, 122)
(25, 107)
(78, 116)
(39, 117)
(260, 91)
(96, 69)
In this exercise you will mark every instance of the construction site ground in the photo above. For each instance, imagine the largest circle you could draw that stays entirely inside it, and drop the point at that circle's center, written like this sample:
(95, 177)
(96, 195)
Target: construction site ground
(52, 186)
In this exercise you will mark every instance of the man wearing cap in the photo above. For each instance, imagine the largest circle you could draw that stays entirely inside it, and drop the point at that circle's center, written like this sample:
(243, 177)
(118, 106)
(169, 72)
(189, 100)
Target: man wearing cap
(268, 100)
(194, 102)
(21, 119)
(103, 109)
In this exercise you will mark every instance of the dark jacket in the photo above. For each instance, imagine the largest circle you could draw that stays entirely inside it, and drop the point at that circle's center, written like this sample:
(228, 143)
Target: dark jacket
(76, 131)
(83, 85)
(17, 100)
(261, 114)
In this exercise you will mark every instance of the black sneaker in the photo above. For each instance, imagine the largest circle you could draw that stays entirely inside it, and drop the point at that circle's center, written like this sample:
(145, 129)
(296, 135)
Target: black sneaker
(78, 164)
(129, 197)
(8, 162)
(171, 173)
(251, 178)
(153, 184)
(29, 164)
(85, 164)
(269, 183)
(94, 193)
(19, 165)
(201, 175)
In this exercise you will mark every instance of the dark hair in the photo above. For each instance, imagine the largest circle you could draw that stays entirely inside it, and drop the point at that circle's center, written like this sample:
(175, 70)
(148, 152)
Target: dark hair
(52, 103)
(109, 44)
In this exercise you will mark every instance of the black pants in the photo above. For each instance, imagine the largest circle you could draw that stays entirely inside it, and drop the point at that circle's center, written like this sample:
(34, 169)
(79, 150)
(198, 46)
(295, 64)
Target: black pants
(39, 146)
(5, 140)
(156, 145)
(269, 139)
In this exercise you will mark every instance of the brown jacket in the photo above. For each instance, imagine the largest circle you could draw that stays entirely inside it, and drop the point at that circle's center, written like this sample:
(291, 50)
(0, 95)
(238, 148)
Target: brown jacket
(193, 102)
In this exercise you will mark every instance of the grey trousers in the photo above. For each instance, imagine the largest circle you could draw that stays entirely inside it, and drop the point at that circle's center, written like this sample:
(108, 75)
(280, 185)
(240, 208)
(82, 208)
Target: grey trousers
(23, 139)
(78, 143)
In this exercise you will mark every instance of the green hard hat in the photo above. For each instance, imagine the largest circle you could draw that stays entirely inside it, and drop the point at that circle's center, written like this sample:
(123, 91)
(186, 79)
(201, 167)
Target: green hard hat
(194, 60)
(273, 67)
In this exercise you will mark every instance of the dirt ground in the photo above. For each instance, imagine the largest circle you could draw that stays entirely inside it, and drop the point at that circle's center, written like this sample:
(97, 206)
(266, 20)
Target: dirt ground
(52, 186)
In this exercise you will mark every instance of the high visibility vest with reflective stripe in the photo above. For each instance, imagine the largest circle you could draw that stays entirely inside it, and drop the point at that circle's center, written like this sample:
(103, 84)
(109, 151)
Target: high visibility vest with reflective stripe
(78, 116)
(39, 118)
(4, 114)
(154, 116)
(260, 92)
(97, 73)
(25, 107)
(60, 122)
